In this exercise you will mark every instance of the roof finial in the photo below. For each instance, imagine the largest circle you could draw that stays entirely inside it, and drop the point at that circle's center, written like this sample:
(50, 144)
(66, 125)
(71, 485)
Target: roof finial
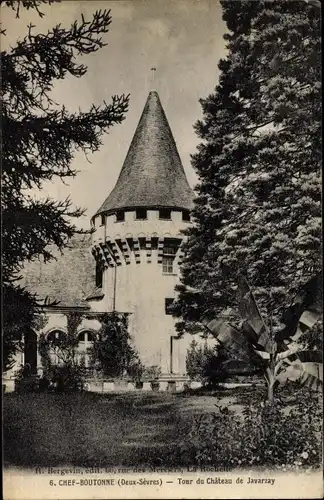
(153, 73)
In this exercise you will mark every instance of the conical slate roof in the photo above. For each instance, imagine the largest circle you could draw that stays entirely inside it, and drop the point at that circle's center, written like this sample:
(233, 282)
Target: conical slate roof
(152, 174)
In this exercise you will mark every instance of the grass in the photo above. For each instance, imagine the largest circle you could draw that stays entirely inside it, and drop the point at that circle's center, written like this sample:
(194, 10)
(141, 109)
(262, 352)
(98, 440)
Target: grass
(86, 429)
(90, 429)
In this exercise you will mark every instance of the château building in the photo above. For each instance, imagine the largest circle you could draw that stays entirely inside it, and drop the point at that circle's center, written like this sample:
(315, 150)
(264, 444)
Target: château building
(130, 264)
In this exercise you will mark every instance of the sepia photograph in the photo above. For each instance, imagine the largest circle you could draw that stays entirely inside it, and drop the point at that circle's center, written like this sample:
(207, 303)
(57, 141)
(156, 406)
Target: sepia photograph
(161, 207)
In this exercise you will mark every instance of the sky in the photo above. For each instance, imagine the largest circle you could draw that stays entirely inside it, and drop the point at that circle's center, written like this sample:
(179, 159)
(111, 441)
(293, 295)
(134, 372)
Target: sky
(182, 39)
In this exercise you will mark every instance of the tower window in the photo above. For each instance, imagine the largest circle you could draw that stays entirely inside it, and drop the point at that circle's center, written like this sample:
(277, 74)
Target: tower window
(103, 219)
(169, 254)
(99, 275)
(141, 213)
(169, 251)
(186, 215)
(168, 305)
(165, 213)
(167, 265)
(120, 216)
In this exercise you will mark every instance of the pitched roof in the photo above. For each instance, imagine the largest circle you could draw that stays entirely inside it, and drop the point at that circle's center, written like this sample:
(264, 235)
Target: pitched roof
(69, 279)
(152, 173)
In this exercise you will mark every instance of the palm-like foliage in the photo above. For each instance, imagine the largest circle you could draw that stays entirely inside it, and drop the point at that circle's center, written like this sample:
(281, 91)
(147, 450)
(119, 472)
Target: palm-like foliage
(280, 355)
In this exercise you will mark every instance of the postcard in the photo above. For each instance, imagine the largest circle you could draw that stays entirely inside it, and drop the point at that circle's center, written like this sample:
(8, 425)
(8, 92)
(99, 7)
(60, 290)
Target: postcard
(161, 248)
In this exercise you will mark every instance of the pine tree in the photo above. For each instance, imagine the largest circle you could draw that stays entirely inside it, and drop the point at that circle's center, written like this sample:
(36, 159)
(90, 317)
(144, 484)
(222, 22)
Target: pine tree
(258, 206)
(39, 141)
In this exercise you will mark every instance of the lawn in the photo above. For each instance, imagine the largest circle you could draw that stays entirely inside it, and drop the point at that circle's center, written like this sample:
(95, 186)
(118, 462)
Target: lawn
(97, 429)
(150, 429)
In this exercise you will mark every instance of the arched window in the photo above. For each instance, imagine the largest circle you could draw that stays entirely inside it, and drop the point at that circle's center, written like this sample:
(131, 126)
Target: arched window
(85, 343)
(56, 338)
(86, 336)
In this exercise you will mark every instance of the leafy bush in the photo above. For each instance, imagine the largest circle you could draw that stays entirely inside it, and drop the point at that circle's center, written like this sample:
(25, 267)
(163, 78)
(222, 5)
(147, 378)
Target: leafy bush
(135, 370)
(152, 373)
(203, 364)
(25, 380)
(68, 377)
(66, 373)
(112, 353)
(271, 435)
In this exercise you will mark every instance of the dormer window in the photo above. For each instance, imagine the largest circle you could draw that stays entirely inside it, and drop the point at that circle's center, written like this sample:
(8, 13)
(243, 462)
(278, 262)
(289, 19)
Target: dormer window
(165, 214)
(120, 216)
(141, 213)
(103, 219)
(186, 215)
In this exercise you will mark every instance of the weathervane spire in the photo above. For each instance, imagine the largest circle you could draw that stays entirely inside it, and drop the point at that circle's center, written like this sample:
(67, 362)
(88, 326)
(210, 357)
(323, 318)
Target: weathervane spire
(153, 73)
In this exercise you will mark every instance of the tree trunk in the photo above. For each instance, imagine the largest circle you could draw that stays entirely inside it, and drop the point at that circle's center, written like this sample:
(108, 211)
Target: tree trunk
(270, 377)
(270, 392)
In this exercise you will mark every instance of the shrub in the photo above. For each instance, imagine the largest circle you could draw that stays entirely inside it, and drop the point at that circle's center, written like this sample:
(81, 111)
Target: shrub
(112, 352)
(68, 377)
(203, 364)
(270, 435)
(152, 373)
(25, 380)
(277, 436)
(135, 370)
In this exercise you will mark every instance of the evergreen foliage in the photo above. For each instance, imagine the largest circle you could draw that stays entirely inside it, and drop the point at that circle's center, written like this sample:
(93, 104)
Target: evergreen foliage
(39, 141)
(112, 353)
(258, 206)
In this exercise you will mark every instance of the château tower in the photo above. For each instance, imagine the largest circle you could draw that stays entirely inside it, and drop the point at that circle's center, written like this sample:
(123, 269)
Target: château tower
(137, 240)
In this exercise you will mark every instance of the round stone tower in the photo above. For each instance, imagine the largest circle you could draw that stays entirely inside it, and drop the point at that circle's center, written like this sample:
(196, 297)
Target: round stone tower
(137, 240)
